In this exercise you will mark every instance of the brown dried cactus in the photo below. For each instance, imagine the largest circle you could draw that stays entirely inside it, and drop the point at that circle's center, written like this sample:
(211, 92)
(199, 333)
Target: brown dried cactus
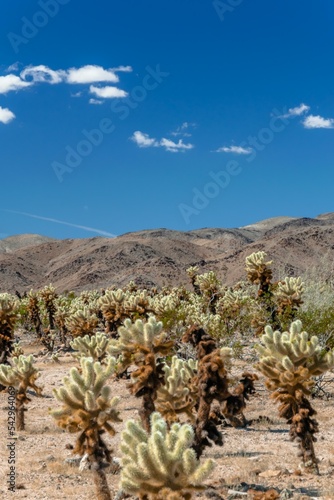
(212, 384)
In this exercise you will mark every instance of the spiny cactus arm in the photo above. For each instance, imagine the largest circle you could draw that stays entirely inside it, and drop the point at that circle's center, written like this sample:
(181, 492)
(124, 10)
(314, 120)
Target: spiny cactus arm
(322, 363)
(177, 394)
(26, 373)
(153, 466)
(8, 376)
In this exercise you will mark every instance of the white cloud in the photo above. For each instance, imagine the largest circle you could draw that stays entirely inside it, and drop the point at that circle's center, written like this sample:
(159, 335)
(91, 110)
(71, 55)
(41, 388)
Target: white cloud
(298, 110)
(143, 140)
(107, 92)
(43, 74)
(239, 150)
(175, 147)
(12, 82)
(91, 74)
(316, 121)
(95, 101)
(6, 115)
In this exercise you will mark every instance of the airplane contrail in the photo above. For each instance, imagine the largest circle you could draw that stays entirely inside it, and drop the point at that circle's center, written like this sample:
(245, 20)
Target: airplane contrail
(85, 228)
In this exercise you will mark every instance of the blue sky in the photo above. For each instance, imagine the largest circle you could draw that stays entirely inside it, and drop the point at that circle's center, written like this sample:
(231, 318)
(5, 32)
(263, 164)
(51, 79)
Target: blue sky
(125, 115)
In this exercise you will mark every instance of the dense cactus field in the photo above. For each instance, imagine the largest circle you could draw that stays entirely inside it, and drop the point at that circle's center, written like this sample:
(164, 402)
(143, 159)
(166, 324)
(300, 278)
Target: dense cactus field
(196, 391)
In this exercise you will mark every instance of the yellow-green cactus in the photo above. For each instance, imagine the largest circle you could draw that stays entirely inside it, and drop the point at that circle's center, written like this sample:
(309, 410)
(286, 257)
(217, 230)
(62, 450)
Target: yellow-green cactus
(89, 408)
(290, 360)
(178, 394)
(142, 343)
(8, 318)
(161, 461)
(258, 268)
(93, 346)
(21, 375)
(49, 295)
(136, 339)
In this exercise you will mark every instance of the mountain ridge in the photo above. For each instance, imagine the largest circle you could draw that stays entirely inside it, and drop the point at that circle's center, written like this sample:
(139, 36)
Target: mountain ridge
(158, 257)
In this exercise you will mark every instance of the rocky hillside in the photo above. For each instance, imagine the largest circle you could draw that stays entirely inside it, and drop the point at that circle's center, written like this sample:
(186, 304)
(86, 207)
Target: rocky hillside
(161, 256)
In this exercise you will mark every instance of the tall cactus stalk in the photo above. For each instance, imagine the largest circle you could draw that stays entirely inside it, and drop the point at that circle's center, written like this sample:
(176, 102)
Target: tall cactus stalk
(89, 409)
(141, 343)
(290, 361)
(21, 376)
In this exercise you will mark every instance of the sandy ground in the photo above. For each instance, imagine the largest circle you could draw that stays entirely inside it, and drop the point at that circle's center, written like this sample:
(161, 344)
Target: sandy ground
(259, 457)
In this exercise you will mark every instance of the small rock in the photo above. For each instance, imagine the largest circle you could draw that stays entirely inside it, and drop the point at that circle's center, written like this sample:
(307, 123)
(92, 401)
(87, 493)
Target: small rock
(50, 458)
(286, 494)
(270, 473)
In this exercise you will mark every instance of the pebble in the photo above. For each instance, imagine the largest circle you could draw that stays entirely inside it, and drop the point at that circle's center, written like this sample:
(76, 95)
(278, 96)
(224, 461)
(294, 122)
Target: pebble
(270, 473)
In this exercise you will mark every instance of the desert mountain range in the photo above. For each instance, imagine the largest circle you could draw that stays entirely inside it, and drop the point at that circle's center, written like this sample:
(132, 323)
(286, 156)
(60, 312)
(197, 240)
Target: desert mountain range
(158, 257)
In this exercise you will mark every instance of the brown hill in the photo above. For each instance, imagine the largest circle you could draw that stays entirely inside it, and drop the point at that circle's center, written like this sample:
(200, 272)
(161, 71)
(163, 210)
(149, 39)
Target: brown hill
(161, 256)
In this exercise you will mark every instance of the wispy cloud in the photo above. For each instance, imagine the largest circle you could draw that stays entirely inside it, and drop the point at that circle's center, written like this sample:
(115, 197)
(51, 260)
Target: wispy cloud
(145, 141)
(42, 74)
(175, 147)
(6, 115)
(107, 92)
(183, 129)
(239, 150)
(316, 121)
(13, 67)
(64, 223)
(95, 101)
(297, 111)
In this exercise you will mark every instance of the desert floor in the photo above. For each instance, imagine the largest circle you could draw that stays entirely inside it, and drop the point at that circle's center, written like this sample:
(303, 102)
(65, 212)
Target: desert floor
(259, 457)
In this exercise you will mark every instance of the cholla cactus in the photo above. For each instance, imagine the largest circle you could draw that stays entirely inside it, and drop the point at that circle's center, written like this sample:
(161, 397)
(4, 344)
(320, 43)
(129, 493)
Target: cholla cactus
(21, 376)
(61, 316)
(17, 350)
(112, 308)
(8, 318)
(290, 360)
(141, 343)
(82, 322)
(34, 312)
(137, 339)
(161, 465)
(48, 295)
(117, 305)
(236, 309)
(288, 296)
(209, 287)
(192, 272)
(178, 394)
(93, 346)
(88, 408)
(212, 383)
(258, 270)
